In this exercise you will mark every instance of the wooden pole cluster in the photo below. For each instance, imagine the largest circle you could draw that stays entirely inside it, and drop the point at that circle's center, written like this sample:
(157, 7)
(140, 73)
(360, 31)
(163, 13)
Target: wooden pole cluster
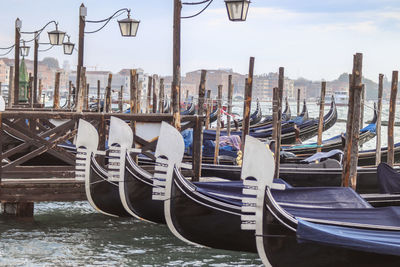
(392, 112)
(149, 86)
(11, 87)
(378, 122)
(56, 98)
(247, 102)
(230, 95)
(219, 101)
(321, 116)
(349, 173)
(108, 94)
(277, 119)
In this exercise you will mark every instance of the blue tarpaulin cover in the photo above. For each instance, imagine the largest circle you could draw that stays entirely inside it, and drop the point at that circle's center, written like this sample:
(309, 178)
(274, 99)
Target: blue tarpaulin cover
(376, 241)
(388, 179)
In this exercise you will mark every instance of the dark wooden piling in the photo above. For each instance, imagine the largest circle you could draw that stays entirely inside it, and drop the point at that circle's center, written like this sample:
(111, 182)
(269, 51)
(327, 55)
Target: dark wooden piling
(392, 113)
(56, 98)
(98, 97)
(120, 99)
(277, 125)
(30, 91)
(298, 101)
(161, 96)
(149, 86)
(218, 132)
(11, 88)
(187, 99)
(69, 95)
(247, 103)
(378, 122)
(349, 173)
(139, 84)
(230, 95)
(208, 110)
(155, 77)
(321, 116)
(108, 94)
(275, 109)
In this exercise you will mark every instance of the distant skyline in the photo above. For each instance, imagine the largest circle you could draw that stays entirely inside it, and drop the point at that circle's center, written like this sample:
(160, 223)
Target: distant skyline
(315, 40)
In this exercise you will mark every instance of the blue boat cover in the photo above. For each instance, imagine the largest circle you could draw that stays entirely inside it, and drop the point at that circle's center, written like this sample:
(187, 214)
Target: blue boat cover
(388, 179)
(375, 241)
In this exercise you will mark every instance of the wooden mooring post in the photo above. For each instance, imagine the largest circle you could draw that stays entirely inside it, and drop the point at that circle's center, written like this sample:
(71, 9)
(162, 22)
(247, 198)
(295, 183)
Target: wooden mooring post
(321, 116)
(218, 132)
(247, 103)
(81, 90)
(56, 98)
(208, 110)
(161, 97)
(40, 92)
(230, 95)
(155, 77)
(277, 119)
(69, 95)
(362, 107)
(350, 159)
(378, 122)
(149, 86)
(139, 84)
(107, 100)
(98, 97)
(11, 88)
(392, 113)
(120, 99)
(298, 101)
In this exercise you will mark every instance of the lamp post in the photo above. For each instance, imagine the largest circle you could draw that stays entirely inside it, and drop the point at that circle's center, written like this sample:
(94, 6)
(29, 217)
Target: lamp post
(56, 38)
(128, 28)
(237, 11)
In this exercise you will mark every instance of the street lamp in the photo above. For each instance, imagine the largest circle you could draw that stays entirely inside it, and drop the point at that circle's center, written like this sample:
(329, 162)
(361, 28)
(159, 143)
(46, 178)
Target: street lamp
(237, 9)
(56, 37)
(68, 47)
(128, 26)
(24, 49)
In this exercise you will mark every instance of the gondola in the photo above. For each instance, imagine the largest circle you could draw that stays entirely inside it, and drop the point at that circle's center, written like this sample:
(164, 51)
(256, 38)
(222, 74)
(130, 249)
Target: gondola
(336, 142)
(255, 117)
(101, 191)
(189, 110)
(286, 115)
(308, 129)
(332, 227)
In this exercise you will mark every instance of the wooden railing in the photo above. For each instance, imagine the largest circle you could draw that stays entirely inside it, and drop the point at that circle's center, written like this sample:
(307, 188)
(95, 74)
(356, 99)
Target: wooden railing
(33, 142)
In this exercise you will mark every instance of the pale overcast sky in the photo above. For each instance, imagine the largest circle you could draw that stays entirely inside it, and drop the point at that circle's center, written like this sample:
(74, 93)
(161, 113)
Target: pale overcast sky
(311, 39)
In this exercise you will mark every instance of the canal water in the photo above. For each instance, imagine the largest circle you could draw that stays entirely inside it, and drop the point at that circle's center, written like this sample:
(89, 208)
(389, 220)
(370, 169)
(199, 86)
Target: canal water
(73, 234)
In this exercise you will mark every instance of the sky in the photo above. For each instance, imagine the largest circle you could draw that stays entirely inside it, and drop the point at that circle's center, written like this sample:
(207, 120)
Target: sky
(311, 39)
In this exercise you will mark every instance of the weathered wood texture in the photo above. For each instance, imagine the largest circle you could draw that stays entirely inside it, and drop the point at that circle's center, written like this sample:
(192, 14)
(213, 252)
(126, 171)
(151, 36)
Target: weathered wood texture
(218, 132)
(208, 110)
(56, 98)
(392, 113)
(247, 102)
(230, 95)
(155, 77)
(321, 116)
(11, 88)
(149, 86)
(349, 173)
(108, 94)
(298, 101)
(161, 97)
(379, 121)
